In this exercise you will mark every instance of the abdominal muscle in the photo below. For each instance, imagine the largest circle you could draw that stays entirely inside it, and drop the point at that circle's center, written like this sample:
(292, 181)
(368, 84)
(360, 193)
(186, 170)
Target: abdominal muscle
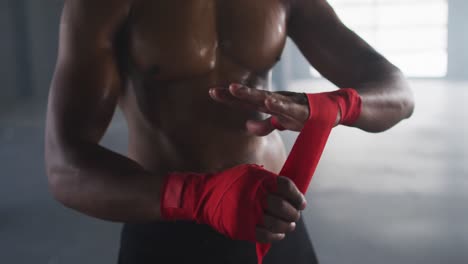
(176, 128)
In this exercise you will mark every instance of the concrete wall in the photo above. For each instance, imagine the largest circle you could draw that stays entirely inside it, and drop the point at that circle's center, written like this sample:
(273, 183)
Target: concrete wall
(8, 65)
(43, 19)
(297, 67)
(458, 39)
(28, 48)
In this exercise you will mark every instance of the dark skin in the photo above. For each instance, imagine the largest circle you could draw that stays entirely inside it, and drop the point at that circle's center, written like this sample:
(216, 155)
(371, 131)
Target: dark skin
(192, 80)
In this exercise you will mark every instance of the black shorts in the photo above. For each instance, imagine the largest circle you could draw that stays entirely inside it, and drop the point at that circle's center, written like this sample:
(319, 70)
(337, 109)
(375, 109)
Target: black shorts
(188, 242)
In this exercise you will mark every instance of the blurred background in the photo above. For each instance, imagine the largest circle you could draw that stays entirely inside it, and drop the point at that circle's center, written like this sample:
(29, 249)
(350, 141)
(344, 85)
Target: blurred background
(396, 197)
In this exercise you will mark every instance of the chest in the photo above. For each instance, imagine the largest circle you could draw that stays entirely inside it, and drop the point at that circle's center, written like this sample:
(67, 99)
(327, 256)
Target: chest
(189, 37)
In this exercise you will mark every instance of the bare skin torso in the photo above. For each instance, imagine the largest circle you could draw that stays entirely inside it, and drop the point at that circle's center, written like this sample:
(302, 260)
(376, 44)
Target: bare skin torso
(171, 55)
(157, 61)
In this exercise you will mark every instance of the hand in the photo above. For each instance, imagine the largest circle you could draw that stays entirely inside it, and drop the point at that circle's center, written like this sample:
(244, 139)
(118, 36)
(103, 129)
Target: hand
(282, 213)
(290, 109)
(245, 202)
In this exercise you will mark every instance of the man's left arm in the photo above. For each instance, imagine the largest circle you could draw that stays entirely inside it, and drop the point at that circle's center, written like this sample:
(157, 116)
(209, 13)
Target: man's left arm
(349, 62)
(340, 56)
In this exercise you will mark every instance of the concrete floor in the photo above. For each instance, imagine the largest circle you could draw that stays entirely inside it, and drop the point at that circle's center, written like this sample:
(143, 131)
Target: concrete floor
(396, 197)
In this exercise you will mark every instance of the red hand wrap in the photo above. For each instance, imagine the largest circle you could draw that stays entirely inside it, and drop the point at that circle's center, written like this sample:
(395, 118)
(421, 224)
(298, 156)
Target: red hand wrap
(275, 123)
(306, 152)
(232, 201)
(349, 103)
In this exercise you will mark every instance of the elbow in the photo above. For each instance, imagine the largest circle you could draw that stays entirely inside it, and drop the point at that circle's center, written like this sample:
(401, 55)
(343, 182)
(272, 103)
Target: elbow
(64, 169)
(408, 105)
(406, 99)
(58, 191)
(59, 186)
(400, 108)
(62, 177)
(391, 104)
(400, 97)
(55, 169)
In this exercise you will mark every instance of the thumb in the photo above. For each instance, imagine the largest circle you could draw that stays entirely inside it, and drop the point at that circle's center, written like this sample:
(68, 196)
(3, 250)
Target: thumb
(260, 128)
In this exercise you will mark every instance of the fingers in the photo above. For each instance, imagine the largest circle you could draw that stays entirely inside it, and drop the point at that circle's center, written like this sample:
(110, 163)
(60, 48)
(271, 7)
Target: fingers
(277, 226)
(282, 209)
(224, 96)
(289, 191)
(287, 108)
(287, 104)
(244, 97)
(265, 236)
(282, 212)
(254, 96)
(260, 128)
(291, 109)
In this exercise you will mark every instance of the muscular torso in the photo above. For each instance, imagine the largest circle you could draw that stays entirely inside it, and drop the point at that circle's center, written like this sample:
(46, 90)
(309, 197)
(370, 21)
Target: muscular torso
(171, 52)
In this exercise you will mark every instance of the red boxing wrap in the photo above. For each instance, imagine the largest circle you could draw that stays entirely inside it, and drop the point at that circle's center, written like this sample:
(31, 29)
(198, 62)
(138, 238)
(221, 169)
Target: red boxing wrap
(232, 201)
(308, 148)
(276, 125)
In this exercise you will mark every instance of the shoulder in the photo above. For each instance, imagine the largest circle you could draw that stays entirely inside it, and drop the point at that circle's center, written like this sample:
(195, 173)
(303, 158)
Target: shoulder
(90, 11)
(94, 16)
(312, 14)
(315, 8)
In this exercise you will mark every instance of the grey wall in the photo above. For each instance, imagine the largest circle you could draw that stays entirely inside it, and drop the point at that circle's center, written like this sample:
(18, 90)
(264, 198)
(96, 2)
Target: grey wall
(296, 67)
(458, 39)
(28, 48)
(7, 54)
(293, 66)
(43, 19)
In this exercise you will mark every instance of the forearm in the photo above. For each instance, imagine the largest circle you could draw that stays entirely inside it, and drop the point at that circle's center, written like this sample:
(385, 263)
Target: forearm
(385, 102)
(103, 184)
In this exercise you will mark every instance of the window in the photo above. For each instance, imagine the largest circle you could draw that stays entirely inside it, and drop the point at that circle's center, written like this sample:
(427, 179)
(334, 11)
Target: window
(412, 34)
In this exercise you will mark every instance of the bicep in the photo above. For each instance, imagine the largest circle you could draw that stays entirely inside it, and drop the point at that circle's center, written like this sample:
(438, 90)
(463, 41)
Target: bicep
(334, 50)
(86, 82)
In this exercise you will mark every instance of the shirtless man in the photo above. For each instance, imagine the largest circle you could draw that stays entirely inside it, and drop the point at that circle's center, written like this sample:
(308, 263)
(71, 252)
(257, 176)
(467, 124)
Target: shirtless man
(173, 68)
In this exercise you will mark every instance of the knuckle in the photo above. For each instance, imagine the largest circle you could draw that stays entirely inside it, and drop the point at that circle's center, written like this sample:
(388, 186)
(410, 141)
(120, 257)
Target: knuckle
(296, 216)
(304, 113)
(276, 229)
(283, 183)
(283, 206)
(280, 181)
(267, 237)
(276, 226)
(286, 227)
(271, 236)
(290, 185)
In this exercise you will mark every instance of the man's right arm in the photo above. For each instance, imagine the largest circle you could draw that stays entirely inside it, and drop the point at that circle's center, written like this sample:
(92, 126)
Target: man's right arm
(82, 174)
(96, 181)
